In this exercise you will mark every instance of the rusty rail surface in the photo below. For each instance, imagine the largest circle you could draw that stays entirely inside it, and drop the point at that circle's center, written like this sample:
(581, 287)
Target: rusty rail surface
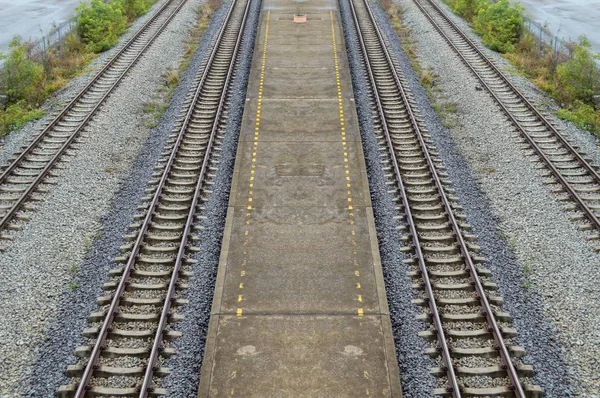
(374, 49)
(466, 44)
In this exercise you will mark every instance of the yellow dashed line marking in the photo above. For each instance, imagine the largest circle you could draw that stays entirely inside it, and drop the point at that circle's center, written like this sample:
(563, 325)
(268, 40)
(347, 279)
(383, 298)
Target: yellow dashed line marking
(254, 158)
(346, 158)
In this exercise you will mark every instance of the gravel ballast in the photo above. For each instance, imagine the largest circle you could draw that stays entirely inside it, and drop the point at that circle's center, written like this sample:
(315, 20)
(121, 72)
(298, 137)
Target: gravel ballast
(554, 268)
(414, 366)
(536, 334)
(54, 269)
(185, 366)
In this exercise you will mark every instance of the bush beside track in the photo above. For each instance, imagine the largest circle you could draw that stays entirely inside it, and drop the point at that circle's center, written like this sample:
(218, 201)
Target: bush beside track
(574, 82)
(26, 80)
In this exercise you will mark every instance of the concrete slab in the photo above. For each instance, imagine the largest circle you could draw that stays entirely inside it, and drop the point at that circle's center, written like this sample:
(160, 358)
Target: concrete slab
(301, 84)
(266, 356)
(299, 307)
(301, 174)
(301, 261)
(298, 119)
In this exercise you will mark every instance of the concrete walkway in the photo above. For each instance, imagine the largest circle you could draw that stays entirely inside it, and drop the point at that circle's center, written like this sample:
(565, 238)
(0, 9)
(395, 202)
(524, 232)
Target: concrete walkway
(300, 307)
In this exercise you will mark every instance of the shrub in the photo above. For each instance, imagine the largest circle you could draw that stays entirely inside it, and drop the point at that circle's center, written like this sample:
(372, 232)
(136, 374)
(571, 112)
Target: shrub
(466, 8)
(583, 115)
(500, 24)
(99, 24)
(16, 115)
(20, 77)
(579, 77)
(135, 8)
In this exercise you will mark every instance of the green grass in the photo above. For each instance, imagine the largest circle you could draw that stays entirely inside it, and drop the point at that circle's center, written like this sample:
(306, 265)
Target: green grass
(527, 271)
(447, 112)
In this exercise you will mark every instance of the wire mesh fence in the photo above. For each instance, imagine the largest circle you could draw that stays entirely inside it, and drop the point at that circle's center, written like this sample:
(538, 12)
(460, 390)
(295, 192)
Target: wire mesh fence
(546, 38)
(54, 37)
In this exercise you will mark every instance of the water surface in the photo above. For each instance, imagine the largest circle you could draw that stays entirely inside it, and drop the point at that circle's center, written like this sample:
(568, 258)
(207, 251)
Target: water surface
(29, 18)
(568, 18)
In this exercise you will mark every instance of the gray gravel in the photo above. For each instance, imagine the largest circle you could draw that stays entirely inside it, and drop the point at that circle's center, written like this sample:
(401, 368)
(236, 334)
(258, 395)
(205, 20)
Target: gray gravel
(46, 282)
(556, 269)
(535, 332)
(414, 365)
(185, 366)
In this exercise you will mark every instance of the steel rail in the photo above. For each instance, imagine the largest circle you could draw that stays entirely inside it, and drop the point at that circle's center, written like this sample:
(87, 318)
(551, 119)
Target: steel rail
(591, 216)
(454, 388)
(129, 267)
(158, 338)
(44, 172)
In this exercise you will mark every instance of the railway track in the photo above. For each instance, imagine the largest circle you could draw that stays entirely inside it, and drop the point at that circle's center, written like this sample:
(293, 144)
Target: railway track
(22, 180)
(131, 332)
(568, 166)
(470, 335)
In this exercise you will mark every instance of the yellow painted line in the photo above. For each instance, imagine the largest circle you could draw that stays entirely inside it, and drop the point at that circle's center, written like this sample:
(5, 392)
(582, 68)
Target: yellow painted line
(254, 158)
(346, 159)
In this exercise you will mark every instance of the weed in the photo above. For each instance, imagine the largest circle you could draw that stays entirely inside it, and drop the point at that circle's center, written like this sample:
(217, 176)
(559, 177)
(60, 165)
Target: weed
(527, 271)
(73, 267)
(447, 112)
(88, 242)
(428, 78)
(73, 284)
(171, 77)
(150, 107)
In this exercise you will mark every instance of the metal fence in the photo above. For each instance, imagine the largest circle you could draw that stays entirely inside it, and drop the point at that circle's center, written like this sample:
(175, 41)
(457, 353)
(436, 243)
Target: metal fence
(54, 37)
(544, 37)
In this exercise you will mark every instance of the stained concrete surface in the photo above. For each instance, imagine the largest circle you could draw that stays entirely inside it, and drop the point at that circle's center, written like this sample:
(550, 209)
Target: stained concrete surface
(299, 307)
(568, 18)
(29, 18)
